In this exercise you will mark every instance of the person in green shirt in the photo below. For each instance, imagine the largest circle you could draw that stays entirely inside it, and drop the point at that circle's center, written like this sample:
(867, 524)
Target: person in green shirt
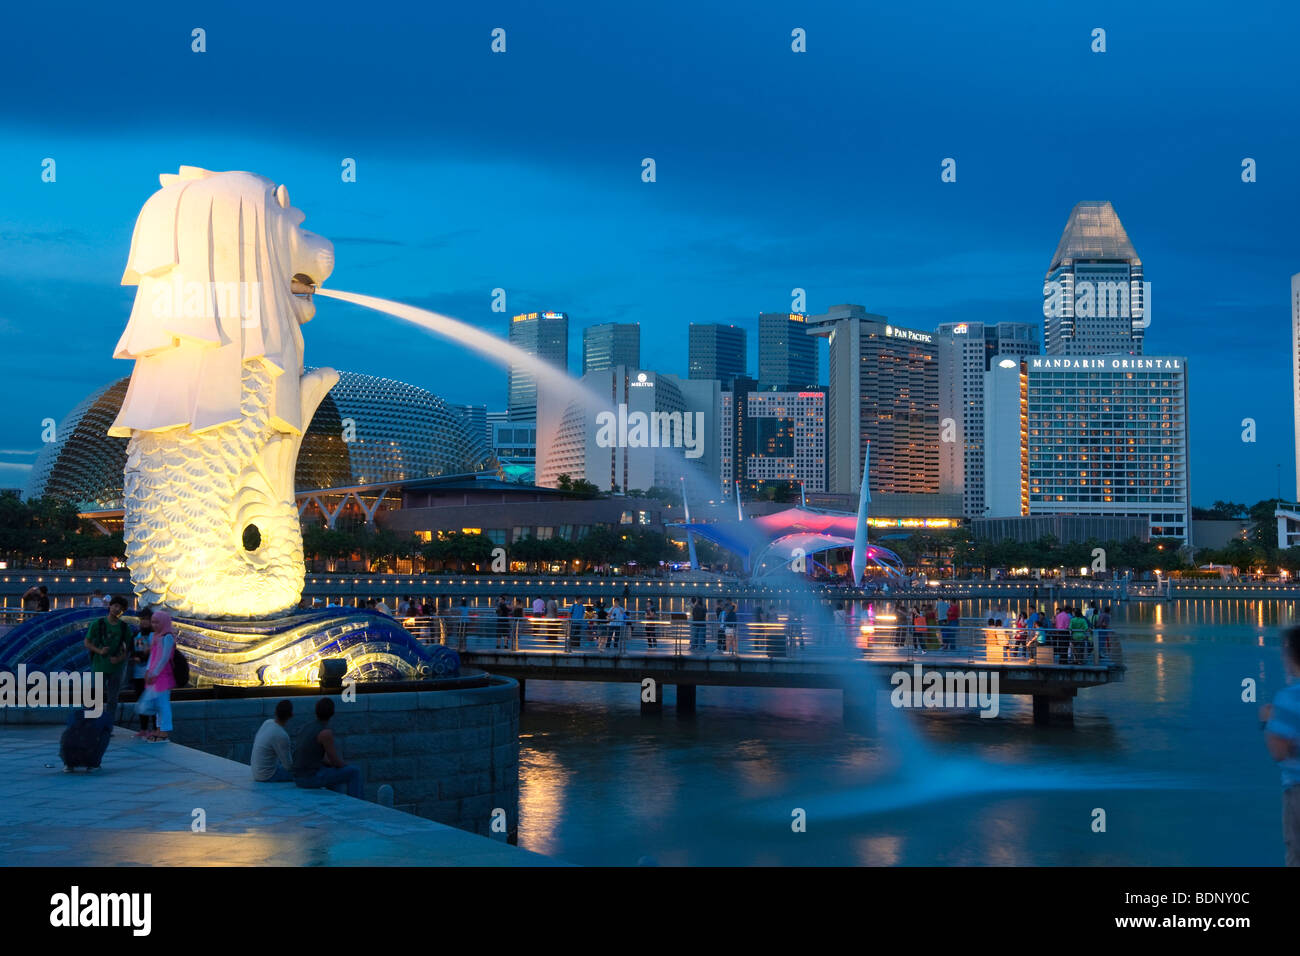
(1080, 638)
(109, 641)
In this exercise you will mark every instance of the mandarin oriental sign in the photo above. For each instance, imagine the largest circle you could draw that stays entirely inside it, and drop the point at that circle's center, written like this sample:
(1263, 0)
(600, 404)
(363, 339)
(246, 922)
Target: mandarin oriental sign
(1114, 364)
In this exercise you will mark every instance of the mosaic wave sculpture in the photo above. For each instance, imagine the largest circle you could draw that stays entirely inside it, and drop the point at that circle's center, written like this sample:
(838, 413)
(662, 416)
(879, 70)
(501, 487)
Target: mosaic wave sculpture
(283, 650)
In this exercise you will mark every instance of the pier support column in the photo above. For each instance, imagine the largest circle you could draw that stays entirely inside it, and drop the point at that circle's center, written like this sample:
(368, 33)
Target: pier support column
(1054, 709)
(859, 709)
(685, 699)
(522, 698)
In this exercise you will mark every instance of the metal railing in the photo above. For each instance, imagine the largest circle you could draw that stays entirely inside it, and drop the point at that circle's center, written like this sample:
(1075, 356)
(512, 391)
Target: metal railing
(878, 639)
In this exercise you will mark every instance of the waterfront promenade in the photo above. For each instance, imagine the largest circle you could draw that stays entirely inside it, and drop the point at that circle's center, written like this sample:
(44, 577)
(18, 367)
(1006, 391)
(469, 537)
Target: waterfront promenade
(69, 588)
(857, 657)
(139, 810)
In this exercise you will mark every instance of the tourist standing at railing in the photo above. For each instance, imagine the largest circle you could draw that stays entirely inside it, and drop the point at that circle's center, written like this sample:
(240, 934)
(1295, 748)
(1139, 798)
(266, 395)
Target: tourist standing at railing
(602, 624)
(699, 614)
(918, 629)
(503, 623)
(1033, 627)
(576, 613)
(1079, 640)
(1061, 634)
(539, 606)
(552, 609)
(516, 622)
(952, 617)
(617, 624)
(726, 640)
(651, 624)
(1103, 632)
(1020, 638)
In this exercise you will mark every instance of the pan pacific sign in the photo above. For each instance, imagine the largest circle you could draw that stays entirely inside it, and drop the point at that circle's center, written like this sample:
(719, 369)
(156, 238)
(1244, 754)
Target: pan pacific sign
(894, 332)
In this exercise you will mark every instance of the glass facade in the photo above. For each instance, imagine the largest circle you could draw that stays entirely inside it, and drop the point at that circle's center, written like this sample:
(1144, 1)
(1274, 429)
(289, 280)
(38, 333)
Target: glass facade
(716, 352)
(605, 346)
(1094, 294)
(367, 430)
(1108, 436)
(546, 335)
(777, 435)
(787, 355)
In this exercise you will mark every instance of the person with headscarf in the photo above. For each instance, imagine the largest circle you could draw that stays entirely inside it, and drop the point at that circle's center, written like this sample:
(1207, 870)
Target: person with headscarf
(159, 679)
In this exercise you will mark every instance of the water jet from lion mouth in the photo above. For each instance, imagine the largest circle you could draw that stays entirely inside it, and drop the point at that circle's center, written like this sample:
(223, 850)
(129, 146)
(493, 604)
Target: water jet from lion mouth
(489, 346)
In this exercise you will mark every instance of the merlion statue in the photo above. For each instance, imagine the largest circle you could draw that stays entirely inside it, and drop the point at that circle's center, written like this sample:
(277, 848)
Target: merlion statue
(218, 402)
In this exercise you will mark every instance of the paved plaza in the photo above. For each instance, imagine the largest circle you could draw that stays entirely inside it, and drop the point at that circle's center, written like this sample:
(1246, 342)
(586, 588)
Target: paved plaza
(139, 810)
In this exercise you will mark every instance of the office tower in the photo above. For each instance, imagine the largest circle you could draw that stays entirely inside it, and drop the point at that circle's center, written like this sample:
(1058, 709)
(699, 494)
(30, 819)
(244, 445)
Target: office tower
(771, 435)
(965, 351)
(1094, 298)
(546, 335)
(654, 429)
(716, 352)
(1295, 371)
(1100, 435)
(884, 388)
(787, 355)
(610, 344)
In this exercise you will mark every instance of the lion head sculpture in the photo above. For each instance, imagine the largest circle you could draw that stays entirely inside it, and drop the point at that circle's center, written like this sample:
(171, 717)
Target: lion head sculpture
(218, 403)
(225, 276)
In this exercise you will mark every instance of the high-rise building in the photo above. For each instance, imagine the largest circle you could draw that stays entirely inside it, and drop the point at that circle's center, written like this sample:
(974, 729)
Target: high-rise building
(610, 344)
(787, 355)
(716, 351)
(1094, 298)
(653, 430)
(546, 335)
(1102, 435)
(772, 435)
(1295, 371)
(884, 389)
(965, 352)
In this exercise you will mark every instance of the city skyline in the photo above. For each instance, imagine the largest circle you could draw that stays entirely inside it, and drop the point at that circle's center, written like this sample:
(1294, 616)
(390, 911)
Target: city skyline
(721, 235)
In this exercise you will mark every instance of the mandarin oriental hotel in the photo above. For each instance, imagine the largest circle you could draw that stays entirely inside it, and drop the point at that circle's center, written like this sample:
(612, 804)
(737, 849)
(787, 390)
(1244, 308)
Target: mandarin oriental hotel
(1098, 435)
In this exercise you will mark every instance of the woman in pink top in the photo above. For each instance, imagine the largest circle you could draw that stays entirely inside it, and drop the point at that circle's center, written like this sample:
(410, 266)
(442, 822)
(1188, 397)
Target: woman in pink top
(158, 679)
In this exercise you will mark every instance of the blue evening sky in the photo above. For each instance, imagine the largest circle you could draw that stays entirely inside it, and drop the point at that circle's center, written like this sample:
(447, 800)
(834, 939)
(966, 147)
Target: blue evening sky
(775, 170)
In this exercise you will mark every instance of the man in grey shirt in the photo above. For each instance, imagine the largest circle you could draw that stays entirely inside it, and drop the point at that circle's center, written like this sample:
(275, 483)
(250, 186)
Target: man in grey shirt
(272, 761)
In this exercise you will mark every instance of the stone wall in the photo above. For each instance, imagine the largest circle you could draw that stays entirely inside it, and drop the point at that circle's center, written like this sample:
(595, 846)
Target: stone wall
(450, 755)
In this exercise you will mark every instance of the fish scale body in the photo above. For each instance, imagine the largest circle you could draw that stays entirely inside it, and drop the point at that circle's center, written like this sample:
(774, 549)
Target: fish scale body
(188, 499)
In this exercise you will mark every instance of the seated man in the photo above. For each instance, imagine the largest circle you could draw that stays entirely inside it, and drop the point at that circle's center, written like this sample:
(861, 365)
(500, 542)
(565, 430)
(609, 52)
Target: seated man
(271, 761)
(317, 761)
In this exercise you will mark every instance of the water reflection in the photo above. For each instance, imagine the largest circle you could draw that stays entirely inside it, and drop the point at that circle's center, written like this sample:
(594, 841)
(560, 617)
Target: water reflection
(1174, 745)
